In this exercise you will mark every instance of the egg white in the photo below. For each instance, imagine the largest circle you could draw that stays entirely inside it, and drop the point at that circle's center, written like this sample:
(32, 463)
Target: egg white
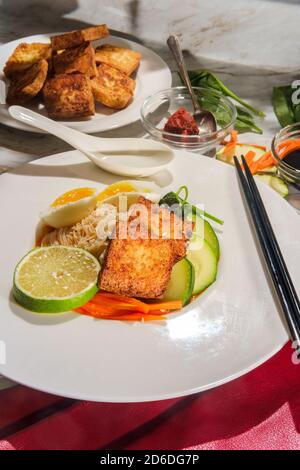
(70, 213)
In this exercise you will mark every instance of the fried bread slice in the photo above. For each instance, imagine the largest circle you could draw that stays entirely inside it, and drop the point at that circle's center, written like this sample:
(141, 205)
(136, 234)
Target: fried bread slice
(80, 59)
(27, 85)
(24, 56)
(75, 38)
(125, 60)
(69, 96)
(112, 87)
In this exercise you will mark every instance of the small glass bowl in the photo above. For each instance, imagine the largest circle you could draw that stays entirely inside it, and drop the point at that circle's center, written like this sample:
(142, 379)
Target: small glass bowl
(287, 172)
(159, 107)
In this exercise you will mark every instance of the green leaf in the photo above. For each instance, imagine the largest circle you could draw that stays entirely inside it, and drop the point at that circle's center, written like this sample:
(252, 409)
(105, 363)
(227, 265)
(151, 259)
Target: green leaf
(207, 79)
(282, 104)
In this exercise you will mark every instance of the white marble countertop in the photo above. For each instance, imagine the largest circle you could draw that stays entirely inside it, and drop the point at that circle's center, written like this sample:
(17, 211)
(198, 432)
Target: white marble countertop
(252, 45)
(238, 39)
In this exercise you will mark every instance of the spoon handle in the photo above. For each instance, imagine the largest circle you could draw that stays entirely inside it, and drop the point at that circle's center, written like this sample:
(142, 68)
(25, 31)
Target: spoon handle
(75, 138)
(174, 46)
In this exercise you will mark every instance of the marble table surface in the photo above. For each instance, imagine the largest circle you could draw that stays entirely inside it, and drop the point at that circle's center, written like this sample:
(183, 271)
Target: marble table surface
(252, 45)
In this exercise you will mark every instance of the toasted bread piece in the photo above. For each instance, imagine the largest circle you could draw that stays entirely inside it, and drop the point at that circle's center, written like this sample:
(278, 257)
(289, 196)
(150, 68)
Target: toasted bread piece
(112, 87)
(26, 86)
(75, 38)
(125, 60)
(69, 96)
(24, 56)
(80, 59)
(138, 265)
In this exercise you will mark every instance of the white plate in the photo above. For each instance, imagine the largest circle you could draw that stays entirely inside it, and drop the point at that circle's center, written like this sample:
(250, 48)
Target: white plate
(153, 75)
(232, 328)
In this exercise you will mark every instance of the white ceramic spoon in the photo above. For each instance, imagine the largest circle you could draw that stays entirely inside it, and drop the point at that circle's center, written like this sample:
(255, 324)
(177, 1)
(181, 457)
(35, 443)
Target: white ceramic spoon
(124, 156)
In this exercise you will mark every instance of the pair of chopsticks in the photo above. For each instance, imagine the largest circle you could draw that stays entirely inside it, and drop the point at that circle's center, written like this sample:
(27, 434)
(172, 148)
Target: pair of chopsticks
(277, 268)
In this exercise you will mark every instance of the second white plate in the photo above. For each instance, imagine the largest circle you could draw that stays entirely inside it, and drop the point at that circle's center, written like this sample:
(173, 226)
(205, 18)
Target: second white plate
(153, 75)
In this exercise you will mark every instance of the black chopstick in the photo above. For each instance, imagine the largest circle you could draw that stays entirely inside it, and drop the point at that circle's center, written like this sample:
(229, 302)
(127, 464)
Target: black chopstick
(282, 282)
(273, 240)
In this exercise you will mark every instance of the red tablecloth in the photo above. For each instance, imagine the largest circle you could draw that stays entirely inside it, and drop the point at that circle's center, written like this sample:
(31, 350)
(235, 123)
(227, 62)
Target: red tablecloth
(261, 410)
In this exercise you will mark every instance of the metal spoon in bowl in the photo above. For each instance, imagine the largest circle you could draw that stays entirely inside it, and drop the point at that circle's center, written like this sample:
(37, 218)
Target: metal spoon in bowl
(204, 119)
(121, 156)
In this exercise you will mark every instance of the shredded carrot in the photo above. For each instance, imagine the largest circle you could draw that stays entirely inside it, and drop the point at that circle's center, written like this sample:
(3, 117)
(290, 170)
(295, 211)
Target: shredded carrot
(232, 138)
(249, 157)
(110, 306)
(118, 300)
(172, 305)
(136, 317)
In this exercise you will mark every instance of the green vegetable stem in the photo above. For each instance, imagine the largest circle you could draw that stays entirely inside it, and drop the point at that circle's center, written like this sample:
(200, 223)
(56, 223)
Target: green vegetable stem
(245, 121)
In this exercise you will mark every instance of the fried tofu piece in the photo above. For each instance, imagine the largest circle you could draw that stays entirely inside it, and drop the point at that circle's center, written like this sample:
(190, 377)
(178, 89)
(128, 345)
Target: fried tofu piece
(26, 86)
(166, 224)
(125, 60)
(69, 96)
(140, 266)
(137, 268)
(75, 38)
(24, 56)
(112, 87)
(80, 59)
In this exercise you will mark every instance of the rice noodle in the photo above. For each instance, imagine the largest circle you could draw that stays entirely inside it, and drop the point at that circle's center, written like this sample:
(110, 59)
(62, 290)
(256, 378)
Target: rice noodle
(82, 235)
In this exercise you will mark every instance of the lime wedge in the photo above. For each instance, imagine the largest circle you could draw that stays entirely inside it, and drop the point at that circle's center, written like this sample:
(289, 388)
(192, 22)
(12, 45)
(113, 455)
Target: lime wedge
(54, 279)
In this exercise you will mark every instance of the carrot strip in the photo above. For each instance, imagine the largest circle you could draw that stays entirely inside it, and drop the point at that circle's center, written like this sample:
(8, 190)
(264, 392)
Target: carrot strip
(116, 300)
(232, 138)
(137, 318)
(112, 305)
(254, 168)
(172, 305)
(249, 157)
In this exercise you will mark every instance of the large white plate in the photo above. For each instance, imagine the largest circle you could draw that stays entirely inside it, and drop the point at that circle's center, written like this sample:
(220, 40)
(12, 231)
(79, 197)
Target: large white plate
(232, 328)
(153, 75)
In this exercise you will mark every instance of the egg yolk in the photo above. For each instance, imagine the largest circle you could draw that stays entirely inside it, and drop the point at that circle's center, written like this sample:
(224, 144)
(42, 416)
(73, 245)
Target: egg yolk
(115, 188)
(73, 196)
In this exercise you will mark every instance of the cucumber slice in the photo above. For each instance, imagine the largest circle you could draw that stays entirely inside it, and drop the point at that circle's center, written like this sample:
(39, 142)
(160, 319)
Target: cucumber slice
(275, 183)
(205, 263)
(181, 284)
(203, 228)
(238, 151)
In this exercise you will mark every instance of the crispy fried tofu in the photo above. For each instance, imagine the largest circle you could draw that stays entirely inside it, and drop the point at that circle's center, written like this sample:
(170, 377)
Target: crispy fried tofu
(140, 266)
(75, 38)
(112, 87)
(80, 59)
(26, 86)
(24, 56)
(69, 96)
(167, 225)
(125, 60)
(137, 268)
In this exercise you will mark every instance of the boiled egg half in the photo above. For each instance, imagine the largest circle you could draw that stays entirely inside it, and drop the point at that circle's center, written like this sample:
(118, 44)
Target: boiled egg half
(70, 208)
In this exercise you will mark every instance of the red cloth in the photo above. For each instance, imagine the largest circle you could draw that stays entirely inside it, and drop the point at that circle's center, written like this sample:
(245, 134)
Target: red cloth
(261, 410)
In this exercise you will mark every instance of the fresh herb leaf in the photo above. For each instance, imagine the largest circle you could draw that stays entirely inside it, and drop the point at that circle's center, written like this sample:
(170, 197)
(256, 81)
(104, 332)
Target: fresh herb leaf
(177, 203)
(244, 122)
(282, 105)
(207, 79)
